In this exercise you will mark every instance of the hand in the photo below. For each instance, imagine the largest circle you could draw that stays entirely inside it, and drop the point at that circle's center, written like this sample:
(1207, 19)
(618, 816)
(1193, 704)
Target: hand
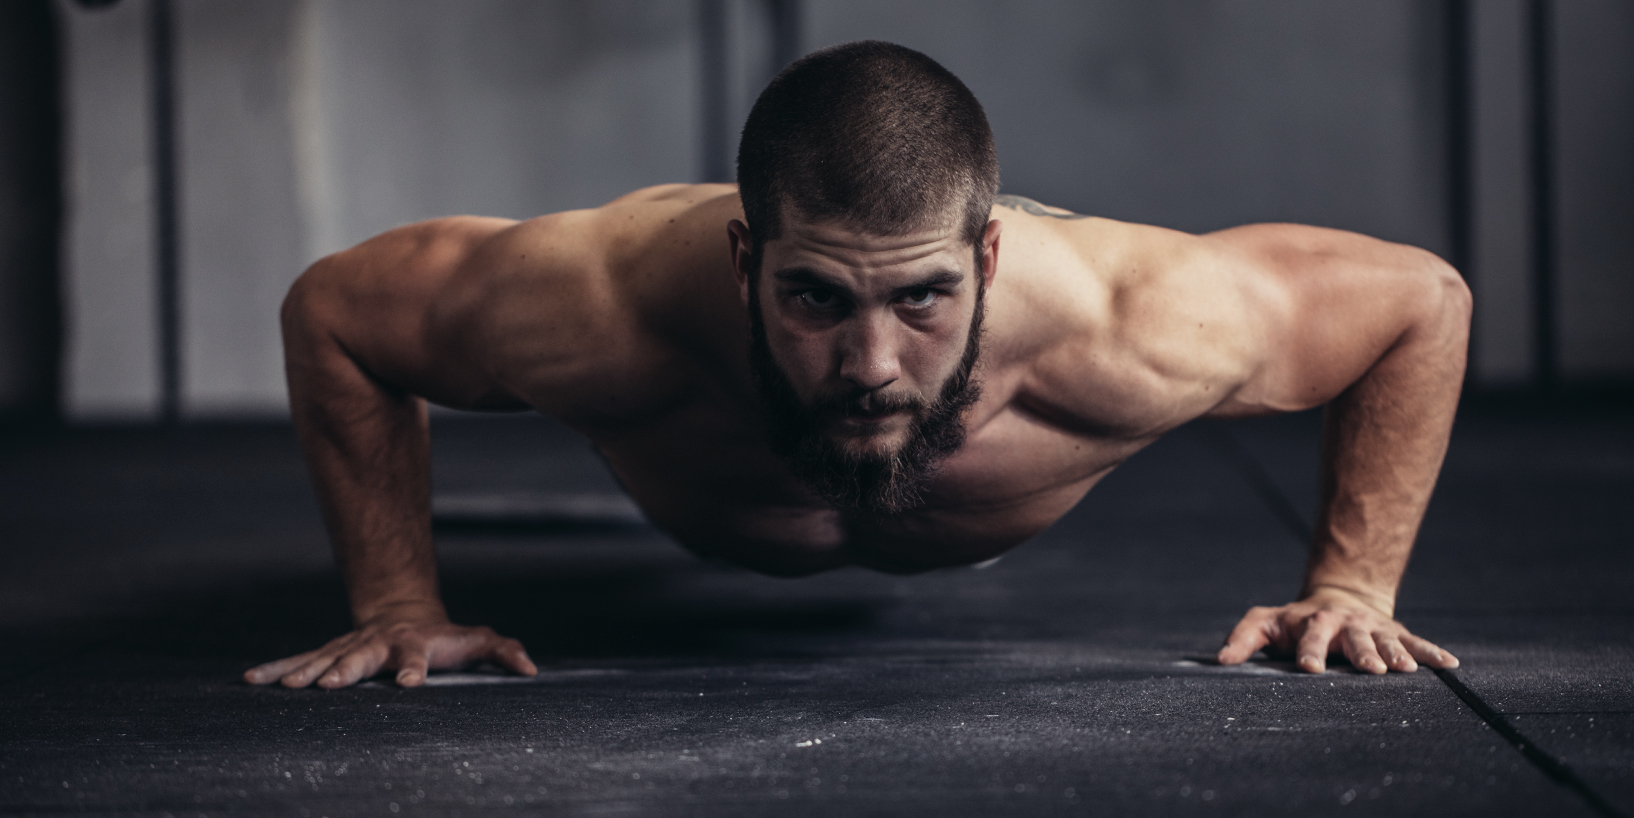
(411, 638)
(1330, 621)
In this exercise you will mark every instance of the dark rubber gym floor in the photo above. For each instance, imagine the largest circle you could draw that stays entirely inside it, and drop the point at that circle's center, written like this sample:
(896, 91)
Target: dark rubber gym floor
(142, 570)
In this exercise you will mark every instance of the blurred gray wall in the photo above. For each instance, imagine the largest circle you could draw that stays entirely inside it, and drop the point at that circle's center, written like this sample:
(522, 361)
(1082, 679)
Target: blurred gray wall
(1197, 115)
(308, 125)
(1596, 107)
(111, 362)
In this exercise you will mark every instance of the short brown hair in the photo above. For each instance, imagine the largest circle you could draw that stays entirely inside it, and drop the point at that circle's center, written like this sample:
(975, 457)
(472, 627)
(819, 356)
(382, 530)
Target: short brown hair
(872, 133)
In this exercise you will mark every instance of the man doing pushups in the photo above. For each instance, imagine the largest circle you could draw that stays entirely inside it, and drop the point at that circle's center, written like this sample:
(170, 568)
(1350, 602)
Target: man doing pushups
(833, 364)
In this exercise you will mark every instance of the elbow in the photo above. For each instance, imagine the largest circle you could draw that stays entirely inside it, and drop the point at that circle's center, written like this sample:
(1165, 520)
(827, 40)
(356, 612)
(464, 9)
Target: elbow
(1447, 299)
(303, 304)
(1443, 325)
(1458, 303)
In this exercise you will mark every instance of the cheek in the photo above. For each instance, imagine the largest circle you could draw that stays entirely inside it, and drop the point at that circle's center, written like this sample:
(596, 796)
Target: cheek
(804, 356)
(934, 351)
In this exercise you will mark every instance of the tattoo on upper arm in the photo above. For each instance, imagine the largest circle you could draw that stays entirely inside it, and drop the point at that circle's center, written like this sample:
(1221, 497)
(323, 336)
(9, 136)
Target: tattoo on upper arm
(1026, 205)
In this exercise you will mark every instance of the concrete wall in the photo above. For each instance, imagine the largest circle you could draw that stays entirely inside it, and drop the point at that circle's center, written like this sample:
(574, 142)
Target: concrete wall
(1196, 115)
(499, 107)
(1596, 194)
(1501, 272)
(308, 125)
(111, 361)
(241, 237)
(1593, 285)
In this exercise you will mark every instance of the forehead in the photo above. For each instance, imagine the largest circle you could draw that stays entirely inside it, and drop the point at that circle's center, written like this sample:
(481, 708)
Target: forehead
(829, 243)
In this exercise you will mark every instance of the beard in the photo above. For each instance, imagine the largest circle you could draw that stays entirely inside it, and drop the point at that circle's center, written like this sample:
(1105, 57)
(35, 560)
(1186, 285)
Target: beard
(880, 483)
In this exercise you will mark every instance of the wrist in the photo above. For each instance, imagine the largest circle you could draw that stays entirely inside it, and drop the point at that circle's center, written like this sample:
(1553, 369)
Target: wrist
(401, 609)
(1382, 601)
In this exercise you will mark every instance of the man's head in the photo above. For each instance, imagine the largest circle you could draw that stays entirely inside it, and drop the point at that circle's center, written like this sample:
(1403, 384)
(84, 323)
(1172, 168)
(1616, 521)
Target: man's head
(867, 173)
(875, 135)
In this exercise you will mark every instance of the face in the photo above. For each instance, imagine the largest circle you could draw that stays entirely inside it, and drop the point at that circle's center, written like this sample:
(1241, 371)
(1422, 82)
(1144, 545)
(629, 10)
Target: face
(863, 349)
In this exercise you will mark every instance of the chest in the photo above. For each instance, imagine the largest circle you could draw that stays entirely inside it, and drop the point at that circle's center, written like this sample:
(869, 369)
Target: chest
(705, 475)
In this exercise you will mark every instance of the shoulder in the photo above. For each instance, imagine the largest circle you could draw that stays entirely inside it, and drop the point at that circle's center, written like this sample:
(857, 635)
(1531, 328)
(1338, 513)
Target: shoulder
(1151, 327)
(1158, 326)
(411, 257)
(1312, 265)
(1297, 250)
(575, 311)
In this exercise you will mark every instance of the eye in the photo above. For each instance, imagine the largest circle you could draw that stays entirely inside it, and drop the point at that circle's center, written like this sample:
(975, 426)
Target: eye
(920, 298)
(819, 299)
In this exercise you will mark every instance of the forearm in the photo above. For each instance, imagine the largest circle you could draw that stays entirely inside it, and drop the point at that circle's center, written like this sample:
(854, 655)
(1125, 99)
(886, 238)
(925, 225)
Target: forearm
(1384, 439)
(367, 447)
(372, 477)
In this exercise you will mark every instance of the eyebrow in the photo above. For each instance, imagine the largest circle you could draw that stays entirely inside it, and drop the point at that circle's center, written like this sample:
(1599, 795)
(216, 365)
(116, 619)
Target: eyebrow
(810, 277)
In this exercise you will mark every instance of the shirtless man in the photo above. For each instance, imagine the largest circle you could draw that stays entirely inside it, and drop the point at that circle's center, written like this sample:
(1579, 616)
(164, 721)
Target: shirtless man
(910, 397)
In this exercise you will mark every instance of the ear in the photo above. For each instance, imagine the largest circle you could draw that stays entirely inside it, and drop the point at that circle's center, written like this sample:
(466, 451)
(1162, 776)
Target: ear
(737, 238)
(990, 251)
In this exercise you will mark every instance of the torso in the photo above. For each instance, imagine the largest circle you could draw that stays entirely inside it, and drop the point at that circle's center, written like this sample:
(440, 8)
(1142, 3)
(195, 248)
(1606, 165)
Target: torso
(688, 444)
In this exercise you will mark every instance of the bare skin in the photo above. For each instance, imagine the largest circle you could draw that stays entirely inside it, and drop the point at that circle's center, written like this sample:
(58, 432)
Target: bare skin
(629, 323)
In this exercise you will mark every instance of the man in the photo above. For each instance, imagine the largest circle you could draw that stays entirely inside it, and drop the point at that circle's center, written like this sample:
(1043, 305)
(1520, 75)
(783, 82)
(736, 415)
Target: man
(857, 375)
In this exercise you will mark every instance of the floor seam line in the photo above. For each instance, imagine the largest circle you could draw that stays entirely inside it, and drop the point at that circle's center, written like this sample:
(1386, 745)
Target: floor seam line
(1228, 448)
(1558, 771)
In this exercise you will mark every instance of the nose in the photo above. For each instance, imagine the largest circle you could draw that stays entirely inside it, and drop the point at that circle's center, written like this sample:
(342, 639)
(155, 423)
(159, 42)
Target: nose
(868, 354)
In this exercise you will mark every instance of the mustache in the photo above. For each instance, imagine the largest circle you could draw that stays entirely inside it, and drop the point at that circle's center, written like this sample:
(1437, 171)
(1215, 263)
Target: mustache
(861, 402)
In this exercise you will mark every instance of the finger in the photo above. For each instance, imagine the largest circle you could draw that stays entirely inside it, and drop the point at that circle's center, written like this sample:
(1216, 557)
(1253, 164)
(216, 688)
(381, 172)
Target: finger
(1394, 654)
(1317, 641)
(1427, 653)
(1359, 648)
(1250, 635)
(510, 654)
(269, 672)
(359, 663)
(289, 669)
(412, 664)
(305, 674)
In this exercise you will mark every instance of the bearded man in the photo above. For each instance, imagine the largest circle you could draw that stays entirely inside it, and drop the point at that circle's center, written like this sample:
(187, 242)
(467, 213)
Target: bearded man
(832, 364)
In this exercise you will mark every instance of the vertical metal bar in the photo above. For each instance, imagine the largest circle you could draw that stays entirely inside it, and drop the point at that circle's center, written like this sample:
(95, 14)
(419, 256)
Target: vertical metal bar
(1459, 145)
(786, 33)
(1540, 77)
(162, 77)
(31, 201)
(713, 87)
